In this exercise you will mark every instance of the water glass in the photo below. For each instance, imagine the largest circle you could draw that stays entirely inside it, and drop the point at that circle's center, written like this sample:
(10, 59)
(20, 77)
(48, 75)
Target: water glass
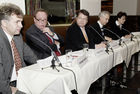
(68, 53)
(85, 47)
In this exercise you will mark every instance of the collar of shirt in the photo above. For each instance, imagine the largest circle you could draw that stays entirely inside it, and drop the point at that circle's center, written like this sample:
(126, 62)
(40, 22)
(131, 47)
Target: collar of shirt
(9, 37)
(117, 23)
(101, 26)
(82, 28)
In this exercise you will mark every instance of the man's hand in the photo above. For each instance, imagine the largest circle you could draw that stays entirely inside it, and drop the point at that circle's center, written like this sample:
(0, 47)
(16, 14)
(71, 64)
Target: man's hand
(47, 30)
(101, 45)
(108, 38)
(56, 42)
(128, 36)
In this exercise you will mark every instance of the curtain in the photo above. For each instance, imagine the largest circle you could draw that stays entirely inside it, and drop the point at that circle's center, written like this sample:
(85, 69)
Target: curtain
(71, 8)
(31, 6)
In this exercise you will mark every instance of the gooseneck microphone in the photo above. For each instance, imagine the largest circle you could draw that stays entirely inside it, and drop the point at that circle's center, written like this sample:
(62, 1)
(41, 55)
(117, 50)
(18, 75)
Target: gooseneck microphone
(106, 43)
(129, 33)
(55, 58)
(120, 40)
(58, 61)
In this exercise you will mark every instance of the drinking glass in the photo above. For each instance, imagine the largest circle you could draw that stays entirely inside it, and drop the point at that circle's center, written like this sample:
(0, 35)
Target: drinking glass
(68, 53)
(85, 47)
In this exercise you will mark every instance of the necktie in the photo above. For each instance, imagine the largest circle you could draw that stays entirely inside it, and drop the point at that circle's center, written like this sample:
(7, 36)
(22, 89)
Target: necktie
(102, 33)
(16, 55)
(84, 34)
(51, 42)
(102, 29)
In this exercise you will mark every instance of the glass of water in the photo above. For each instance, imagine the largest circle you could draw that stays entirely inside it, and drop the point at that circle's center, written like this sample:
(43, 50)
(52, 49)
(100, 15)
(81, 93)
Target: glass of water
(85, 47)
(68, 53)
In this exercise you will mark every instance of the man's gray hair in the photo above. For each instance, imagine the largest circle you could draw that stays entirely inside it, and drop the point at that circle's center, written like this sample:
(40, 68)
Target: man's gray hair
(103, 13)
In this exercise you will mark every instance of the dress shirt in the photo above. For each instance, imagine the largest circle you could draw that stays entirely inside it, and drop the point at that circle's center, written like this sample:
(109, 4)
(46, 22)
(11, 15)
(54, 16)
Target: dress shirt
(101, 26)
(119, 25)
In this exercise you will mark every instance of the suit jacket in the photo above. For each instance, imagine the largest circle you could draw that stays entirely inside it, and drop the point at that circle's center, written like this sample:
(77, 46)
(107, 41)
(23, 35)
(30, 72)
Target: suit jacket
(40, 49)
(7, 62)
(120, 32)
(75, 38)
(98, 36)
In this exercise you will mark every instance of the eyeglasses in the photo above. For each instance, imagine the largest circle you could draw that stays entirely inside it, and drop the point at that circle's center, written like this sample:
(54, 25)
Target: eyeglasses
(40, 20)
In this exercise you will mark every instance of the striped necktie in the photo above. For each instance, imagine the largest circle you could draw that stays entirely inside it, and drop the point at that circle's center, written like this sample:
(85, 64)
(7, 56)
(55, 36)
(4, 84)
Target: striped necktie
(51, 42)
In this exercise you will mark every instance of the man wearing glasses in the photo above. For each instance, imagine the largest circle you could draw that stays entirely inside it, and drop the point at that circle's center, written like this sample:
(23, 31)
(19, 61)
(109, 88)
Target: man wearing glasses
(40, 32)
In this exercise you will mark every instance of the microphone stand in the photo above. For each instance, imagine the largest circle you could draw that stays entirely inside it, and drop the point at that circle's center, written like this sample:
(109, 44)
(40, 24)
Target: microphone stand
(132, 35)
(107, 46)
(120, 40)
(55, 58)
(53, 64)
(106, 43)
(129, 33)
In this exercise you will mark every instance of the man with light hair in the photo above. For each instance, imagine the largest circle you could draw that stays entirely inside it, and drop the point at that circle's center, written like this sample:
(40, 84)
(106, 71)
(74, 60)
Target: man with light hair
(98, 34)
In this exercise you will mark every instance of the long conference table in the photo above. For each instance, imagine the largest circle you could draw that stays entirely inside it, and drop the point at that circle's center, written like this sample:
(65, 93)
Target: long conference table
(85, 69)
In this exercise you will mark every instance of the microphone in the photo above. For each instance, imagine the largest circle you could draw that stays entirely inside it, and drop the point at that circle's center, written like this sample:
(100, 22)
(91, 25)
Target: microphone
(129, 33)
(58, 61)
(106, 43)
(120, 40)
(55, 58)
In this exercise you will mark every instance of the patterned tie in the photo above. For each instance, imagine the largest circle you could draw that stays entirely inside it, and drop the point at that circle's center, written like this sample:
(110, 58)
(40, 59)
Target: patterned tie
(51, 42)
(103, 33)
(17, 58)
(84, 34)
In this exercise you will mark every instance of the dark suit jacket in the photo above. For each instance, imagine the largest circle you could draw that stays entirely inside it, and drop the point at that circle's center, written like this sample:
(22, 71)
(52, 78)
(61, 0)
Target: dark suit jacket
(40, 49)
(118, 31)
(7, 62)
(97, 36)
(75, 38)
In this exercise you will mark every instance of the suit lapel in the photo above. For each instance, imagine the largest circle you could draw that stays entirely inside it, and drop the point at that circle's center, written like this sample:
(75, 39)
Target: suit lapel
(5, 39)
(99, 30)
(80, 34)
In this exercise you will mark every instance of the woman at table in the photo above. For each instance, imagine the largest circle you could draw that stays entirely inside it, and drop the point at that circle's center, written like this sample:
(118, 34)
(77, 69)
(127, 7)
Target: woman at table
(118, 27)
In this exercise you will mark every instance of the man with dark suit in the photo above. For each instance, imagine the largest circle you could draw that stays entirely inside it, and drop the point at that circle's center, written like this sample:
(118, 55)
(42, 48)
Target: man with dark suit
(99, 35)
(78, 33)
(118, 25)
(13, 51)
(45, 34)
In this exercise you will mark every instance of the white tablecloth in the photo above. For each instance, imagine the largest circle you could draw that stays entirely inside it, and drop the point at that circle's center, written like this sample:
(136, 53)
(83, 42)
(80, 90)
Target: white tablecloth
(34, 80)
